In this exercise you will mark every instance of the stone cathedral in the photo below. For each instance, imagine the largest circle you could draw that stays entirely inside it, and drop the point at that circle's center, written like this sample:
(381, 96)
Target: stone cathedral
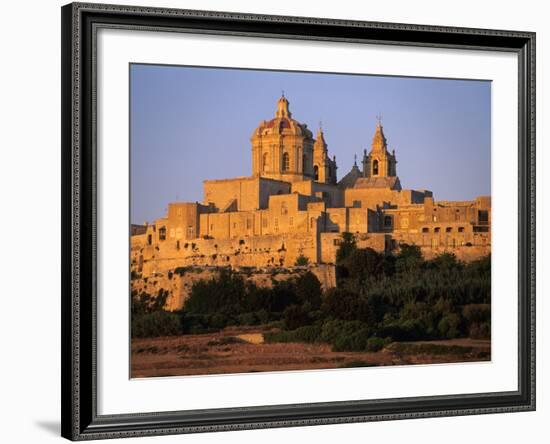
(293, 208)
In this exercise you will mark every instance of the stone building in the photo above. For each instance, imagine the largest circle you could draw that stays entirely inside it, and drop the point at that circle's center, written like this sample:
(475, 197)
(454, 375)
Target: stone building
(292, 206)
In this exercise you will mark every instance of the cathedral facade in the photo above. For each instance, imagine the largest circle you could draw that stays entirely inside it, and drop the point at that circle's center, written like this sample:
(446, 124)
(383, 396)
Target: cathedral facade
(293, 210)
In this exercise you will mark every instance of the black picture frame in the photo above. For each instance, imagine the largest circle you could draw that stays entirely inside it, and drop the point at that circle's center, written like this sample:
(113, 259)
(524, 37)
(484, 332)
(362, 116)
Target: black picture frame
(79, 171)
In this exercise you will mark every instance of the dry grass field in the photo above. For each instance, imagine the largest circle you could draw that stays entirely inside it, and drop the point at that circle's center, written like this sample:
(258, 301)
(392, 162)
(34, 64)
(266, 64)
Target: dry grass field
(242, 350)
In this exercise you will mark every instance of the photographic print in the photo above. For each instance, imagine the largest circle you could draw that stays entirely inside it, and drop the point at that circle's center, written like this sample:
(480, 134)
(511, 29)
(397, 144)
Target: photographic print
(288, 220)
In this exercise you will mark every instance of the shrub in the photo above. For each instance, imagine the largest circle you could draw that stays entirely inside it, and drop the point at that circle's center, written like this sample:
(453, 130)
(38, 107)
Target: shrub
(347, 245)
(449, 326)
(375, 344)
(362, 263)
(308, 333)
(477, 312)
(134, 275)
(356, 363)
(356, 341)
(480, 330)
(308, 290)
(159, 323)
(410, 330)
(301, 261)
(295, 316)
(247, 319)
(180, 271)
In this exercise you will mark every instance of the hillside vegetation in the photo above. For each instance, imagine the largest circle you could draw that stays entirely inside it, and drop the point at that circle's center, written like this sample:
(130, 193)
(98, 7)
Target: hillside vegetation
(380, 298)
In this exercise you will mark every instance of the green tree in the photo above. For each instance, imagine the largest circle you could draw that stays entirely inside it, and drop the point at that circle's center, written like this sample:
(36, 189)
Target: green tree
(347, 245)
(308, 290)
(363, 263)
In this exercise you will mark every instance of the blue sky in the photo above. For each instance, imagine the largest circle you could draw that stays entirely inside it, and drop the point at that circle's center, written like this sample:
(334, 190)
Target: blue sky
(190, 123)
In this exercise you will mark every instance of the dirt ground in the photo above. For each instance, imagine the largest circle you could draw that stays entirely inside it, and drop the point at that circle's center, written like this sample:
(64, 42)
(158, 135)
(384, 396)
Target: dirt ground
(242, 350)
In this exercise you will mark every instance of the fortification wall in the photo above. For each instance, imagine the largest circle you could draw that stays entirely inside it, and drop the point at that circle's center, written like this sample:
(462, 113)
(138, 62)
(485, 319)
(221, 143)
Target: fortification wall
(179, 282)
(255, 251)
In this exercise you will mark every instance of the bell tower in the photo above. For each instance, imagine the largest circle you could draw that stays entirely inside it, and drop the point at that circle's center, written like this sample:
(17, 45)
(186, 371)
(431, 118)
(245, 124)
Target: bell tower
(379, 162)
(324, 169)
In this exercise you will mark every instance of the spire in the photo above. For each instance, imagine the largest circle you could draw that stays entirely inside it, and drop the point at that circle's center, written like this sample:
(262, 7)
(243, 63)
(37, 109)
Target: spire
(320, 142)
(379, 140)
(282, 107)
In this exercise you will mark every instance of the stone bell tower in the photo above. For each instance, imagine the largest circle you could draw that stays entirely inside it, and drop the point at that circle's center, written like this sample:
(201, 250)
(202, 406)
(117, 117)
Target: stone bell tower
(379, 162)
(324, 169)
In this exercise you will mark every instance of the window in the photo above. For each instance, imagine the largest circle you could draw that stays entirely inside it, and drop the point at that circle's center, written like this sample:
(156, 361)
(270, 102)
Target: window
(149, 239)
(177, 245)
(316, 172)
(461, 229)
(304, 163)
(264, 162)
(190, 232)
(437, 230)
(336, 242)
(425, 230)
(448, 229)
(286, 162)
(162, 233)
(264, 222)
(284, 209)
(483, 216)
(375, 168)
(387, 221)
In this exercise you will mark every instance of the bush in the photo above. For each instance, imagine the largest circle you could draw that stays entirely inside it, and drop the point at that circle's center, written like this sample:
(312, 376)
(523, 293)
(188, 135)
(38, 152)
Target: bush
(295, 316)
(159, 323)
(247, 319)
(375, 344)
(301, 261)
(347, 245)
(477, 312)
(308, 333)
(180, 271)
(363, 263)
(480, 330)
(449, 326)
(308, 290)
(410, 330)
(356, 341)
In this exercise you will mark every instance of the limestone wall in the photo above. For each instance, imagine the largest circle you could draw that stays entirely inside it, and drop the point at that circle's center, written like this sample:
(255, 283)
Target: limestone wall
(256, 251)
(179, 284)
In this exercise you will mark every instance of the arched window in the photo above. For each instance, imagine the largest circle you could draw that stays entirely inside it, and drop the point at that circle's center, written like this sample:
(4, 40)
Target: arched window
(286, 162)
(264, 162)
(375, 168)
(316, 172)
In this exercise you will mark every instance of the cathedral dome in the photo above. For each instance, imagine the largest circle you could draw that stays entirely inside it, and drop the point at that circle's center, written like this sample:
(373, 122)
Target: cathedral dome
(283, 123)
